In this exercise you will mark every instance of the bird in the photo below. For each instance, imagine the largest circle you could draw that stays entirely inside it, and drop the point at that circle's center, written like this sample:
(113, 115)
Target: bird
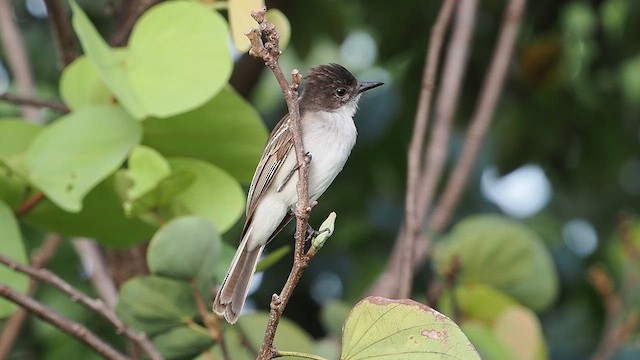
(327, 104)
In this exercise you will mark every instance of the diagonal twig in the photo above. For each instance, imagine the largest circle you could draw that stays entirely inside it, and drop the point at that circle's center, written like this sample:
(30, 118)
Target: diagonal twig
(16, 56)
(96, 305)
(388, 284)
(72, 328)
(24, 100)
(269, 51)
(13, 325)
(61, 28)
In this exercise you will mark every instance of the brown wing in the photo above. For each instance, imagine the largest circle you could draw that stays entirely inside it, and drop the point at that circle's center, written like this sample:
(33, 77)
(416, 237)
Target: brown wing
(278, 147)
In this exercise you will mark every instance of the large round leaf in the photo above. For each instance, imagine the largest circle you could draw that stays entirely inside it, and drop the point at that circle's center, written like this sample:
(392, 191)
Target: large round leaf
(155, 304)
(12, 247)
(226, 131)
(503, 253)
(80, 84)
(177, 58)
(379, 328)
(186, 248)
(214, 194)
(102, 218)
(71, 156)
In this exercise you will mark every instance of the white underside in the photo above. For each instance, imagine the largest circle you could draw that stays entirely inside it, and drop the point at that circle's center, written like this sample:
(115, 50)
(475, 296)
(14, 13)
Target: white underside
(329, 138)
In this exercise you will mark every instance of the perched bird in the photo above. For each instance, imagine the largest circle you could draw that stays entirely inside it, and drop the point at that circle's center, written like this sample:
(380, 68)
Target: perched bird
(327, 105)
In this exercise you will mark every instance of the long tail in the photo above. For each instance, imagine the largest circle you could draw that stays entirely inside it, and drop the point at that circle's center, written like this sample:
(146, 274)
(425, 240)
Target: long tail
(233, 291)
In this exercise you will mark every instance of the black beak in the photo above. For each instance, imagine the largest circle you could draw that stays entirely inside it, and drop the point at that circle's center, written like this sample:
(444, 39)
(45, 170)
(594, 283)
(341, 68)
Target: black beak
(364, 86)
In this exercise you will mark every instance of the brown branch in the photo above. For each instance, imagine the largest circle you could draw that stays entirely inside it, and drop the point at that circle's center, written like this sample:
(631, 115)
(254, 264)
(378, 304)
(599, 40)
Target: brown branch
(12, 327)
(436, 157)
(269, 51)
(17, 59)
(211, 322)
(96, 305)
(23, 100)
(388, 284)
(72, 328)
(617, 328)
(62, 33)
(93, 261)
(130, 13)
(29, 204)
(448, 95)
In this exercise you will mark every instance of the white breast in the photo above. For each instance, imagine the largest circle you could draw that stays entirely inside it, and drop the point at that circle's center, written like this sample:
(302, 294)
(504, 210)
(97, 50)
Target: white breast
(329, 138)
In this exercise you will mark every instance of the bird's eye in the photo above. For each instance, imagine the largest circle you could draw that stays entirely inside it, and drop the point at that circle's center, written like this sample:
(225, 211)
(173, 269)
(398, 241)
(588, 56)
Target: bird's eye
(341, 92)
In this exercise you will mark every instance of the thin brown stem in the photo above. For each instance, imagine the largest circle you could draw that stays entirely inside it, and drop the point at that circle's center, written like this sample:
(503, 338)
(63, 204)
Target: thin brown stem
(482, 114)
(94, 262)
(72, 328)
(452, 77)
(63, 35)
(210, 321)
(617, 327)
(387, 284)
(269, 51)
(96, 305)
(16, 56)
(130, 13)
(13, 326)
(437, 150)
(23, 100)
(413, 220)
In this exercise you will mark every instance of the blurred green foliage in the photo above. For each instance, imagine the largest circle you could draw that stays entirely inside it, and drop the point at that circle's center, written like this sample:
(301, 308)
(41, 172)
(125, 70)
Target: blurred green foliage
(172, 172)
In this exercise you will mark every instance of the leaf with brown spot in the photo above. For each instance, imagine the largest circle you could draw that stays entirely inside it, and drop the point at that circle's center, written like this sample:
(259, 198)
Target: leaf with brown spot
(379, 328)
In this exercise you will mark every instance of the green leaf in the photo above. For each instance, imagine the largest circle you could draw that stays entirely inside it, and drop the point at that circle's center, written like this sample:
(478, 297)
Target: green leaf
(333, 315)
(182, 342)
(226, 131)
(241, 21)
(110, 67)
(155, 304)
(160, 195)
(179, 57)
(482, 302)
(12, 188)
(146, 169)
(489, 346)
(102, 218)
(11, 246)
(498, 325)
(630, 79)
(272, 258)
(214, 194)
(519, 329)
(176, 60)
(289, 336)
(71, 156)
(186, 248)
(379, 328)
(502, 253)
(15, 137)
(81, 86)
